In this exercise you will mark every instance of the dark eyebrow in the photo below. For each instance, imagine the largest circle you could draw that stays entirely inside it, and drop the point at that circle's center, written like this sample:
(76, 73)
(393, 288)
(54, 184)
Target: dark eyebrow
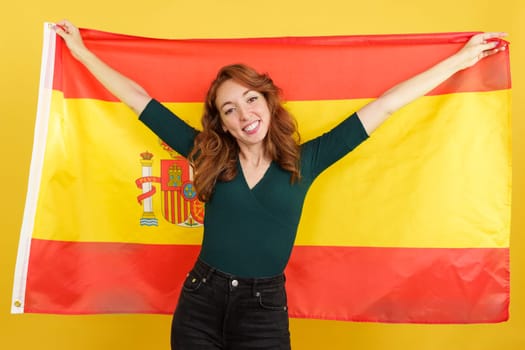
(243, 94)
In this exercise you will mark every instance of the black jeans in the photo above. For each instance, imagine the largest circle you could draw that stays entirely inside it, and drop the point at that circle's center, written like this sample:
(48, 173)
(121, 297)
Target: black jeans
(220, 311)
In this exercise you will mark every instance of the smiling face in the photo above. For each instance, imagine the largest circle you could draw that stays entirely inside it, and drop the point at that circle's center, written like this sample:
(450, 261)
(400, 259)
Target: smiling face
(244, 113)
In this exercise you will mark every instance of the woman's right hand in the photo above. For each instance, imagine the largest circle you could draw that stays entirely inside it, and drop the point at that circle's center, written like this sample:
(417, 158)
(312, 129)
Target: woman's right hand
(71, 36)
(125, 89)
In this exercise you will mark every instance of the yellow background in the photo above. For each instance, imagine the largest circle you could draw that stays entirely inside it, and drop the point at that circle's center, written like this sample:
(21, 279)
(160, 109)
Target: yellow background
(21, 40)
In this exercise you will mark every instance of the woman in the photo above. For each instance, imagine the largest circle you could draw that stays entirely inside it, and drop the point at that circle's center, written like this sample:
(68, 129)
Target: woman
(253, 175)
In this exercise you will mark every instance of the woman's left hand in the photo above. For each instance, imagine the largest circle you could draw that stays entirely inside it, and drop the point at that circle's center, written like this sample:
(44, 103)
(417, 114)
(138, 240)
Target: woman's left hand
(478, 47)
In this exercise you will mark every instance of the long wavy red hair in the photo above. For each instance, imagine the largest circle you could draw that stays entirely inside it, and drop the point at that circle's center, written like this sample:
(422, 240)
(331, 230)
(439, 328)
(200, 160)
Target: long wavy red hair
(215, 152)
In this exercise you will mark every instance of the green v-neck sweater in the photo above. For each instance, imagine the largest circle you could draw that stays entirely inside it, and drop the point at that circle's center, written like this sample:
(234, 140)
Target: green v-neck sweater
(250, 232)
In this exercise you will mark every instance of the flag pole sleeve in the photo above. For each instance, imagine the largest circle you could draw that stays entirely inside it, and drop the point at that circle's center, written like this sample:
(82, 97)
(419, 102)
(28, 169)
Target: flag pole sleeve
(37, 158)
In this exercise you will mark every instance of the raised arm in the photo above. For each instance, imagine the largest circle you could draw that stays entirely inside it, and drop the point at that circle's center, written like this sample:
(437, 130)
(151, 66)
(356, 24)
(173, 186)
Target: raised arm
(125, 89)
(477, 48)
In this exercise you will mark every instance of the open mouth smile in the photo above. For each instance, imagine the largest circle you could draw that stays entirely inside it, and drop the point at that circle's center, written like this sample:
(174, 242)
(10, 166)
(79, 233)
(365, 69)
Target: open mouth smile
(252, 127)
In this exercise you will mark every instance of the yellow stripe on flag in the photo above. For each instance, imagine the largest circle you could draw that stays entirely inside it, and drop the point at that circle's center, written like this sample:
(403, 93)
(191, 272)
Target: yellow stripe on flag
(437, 172)
(430, 145)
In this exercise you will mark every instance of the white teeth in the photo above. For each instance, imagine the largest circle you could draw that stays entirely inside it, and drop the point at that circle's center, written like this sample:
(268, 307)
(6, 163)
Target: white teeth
(251, 126)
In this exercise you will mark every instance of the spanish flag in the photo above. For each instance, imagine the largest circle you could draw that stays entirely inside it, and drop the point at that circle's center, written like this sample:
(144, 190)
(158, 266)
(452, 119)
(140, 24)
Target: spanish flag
(412, 226)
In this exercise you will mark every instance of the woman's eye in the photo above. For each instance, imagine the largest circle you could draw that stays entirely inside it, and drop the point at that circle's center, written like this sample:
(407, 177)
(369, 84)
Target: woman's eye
(228, 111)
(252, 99)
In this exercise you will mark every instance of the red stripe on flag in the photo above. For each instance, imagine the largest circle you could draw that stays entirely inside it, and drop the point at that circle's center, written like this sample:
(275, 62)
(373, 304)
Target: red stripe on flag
(422, 285)
(305, 68)
(88, 278)
(402, 284)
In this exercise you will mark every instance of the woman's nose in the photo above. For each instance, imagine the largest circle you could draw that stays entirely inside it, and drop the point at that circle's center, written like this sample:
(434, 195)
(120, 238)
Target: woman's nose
(244, 113)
